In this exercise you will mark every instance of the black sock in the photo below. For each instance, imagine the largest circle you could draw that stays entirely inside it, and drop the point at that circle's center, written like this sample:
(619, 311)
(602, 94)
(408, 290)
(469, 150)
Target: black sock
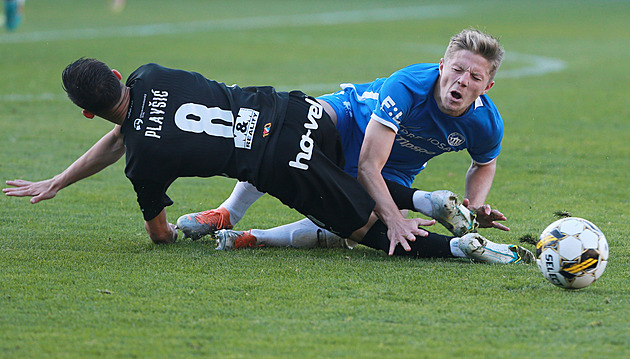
(402, 196)
(432, 246)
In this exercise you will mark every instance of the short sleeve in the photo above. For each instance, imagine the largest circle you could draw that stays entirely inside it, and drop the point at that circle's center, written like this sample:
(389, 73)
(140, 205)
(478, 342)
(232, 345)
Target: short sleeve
(152, 198)
(394, 102)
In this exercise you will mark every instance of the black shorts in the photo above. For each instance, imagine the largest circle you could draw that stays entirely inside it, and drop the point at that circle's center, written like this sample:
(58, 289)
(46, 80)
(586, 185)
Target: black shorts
(307, 170)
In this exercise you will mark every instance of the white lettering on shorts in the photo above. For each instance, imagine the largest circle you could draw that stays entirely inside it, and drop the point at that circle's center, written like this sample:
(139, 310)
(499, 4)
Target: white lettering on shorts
(307, 143)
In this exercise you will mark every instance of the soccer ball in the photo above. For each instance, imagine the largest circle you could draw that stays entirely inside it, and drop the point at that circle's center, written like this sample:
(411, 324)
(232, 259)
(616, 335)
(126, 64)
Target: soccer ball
(572, 253)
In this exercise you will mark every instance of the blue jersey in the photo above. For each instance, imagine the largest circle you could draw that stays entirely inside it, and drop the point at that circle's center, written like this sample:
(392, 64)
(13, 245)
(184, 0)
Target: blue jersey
(404, 102)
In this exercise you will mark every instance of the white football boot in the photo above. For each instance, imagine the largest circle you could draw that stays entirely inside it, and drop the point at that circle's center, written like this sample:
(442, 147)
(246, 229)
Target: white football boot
(228, 239)
(480, 249)
(326, 239)
(449, 211)
(197, 225)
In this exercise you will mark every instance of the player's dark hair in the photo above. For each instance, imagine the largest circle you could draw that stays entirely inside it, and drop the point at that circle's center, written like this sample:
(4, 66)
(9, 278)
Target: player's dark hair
(91, 85)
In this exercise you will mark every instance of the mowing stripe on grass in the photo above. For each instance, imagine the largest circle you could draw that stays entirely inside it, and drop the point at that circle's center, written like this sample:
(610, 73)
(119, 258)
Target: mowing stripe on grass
(537, 65)
(248, 23)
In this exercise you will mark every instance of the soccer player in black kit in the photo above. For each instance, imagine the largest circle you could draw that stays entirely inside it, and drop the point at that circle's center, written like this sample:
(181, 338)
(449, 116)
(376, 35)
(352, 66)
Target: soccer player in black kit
(173, 123)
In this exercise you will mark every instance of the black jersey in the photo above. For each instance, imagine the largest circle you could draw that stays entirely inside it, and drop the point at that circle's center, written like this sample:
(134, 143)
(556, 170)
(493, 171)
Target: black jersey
(180, 124)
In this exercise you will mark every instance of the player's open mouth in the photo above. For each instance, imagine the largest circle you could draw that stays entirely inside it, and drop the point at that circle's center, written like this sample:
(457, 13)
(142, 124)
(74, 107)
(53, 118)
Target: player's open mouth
(456, 95)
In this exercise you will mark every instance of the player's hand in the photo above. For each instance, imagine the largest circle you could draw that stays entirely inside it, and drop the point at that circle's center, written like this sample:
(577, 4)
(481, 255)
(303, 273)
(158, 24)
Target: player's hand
(173, 229)
(38, 191)
(406, 230)
(487, 217)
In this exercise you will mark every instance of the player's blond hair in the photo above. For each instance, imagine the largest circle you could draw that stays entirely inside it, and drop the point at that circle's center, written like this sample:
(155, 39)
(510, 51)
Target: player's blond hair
(479, 43)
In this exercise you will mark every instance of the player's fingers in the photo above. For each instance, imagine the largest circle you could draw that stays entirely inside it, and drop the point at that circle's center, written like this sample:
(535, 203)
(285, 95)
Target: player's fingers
(38, 198)
(498, 216)
(500, 226)
(486, 209)
(425, 222)
(422, 233)
(392, 246)
(466, 202)
(406, 245)
(14, 191)
(18, 183)
(173, 232)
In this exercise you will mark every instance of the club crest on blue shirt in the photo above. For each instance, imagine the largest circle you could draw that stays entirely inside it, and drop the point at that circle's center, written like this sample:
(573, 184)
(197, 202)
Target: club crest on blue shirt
(456, 139)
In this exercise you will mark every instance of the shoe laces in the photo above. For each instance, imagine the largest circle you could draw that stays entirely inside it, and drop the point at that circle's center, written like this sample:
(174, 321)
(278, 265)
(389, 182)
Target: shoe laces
(219, 218)
(245, 240)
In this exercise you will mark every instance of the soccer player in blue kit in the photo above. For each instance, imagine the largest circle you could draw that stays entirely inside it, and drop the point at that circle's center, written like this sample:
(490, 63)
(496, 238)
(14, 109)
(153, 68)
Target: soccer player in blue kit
(170, 123)
(390, 128)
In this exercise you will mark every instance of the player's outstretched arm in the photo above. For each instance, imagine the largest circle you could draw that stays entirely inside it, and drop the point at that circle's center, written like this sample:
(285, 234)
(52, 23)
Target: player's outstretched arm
(105, 152)
(375, 151)
(478, 183)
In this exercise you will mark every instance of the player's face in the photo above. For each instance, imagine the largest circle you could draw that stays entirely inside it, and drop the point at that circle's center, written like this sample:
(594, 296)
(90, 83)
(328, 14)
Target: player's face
(463, 77)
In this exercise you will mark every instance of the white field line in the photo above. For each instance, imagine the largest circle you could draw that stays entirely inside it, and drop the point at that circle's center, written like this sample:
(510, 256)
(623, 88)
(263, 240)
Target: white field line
(538, 65)
(248, 23)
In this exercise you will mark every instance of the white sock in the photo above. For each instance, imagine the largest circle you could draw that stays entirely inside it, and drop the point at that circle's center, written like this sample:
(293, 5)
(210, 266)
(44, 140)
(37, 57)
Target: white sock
(455, 250)
(300, 234)
(422, 203)
(242, 197)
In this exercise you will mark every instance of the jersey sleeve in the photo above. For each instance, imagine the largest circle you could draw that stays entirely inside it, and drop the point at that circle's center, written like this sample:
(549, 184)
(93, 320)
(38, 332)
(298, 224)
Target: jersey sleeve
(488, 146)
(394, 102)
(487, 156)
(152, 198)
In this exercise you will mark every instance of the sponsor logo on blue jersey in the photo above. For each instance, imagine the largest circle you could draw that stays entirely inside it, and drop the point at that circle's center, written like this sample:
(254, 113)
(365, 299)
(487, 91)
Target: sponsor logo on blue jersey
(389, 107)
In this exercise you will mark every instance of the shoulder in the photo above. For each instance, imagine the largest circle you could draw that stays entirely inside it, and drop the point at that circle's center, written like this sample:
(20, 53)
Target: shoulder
(423, 72)
(143, 72)
(415, 79)
(487, 109)
(486, 119)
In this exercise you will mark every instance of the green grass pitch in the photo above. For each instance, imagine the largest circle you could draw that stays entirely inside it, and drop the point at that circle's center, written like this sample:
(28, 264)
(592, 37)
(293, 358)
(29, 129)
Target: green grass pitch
(79, 277)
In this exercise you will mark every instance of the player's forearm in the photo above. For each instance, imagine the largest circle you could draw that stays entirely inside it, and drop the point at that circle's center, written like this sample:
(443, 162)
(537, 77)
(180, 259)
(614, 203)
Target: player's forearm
(375, 151)
(478, 183)
(373, 182)
(105, 152)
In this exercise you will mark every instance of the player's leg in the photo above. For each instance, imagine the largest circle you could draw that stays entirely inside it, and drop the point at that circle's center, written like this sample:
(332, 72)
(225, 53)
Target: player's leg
(472, 246)
(479, 248)
(230, 212)
(302, 234)
(443, 206)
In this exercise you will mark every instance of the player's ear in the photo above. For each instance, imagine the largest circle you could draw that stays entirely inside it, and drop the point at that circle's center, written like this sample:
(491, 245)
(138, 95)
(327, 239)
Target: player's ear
(117, 74)
(488, 87)
(87, 114)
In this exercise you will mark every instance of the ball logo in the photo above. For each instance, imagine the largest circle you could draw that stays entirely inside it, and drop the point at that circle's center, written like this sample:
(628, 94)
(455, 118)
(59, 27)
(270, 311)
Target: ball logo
(137, 124)
(456, 139)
